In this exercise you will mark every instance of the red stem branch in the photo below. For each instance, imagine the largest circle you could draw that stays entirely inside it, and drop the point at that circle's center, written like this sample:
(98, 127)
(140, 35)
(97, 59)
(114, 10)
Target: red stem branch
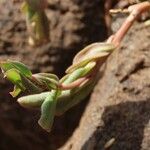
(135, 11)
(74, 84)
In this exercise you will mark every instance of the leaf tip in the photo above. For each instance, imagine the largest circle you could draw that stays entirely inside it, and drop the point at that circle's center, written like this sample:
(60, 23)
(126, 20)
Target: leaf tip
(22, 102)
(43, 125)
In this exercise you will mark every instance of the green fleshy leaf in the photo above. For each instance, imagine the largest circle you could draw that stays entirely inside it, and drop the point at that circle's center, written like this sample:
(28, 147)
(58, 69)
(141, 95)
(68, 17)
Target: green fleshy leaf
(23, 69)
(50, 83)
(92, 50)
(89, 67)
(33, 101)
(48, 111)
(48, 75)
(73, 76)
(14, 76)
(31, 87)
(16, 65)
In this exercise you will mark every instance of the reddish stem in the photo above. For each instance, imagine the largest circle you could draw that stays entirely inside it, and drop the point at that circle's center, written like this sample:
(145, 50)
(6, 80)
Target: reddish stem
(74, 84)
(135, 11)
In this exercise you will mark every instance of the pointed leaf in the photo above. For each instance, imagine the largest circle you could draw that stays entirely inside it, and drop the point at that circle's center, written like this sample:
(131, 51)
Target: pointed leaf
(48, 111)
(13, 76)
(48, 75)
(50, 83)
(33, 101)
(23, 69)
(7, 65)
(31, 87)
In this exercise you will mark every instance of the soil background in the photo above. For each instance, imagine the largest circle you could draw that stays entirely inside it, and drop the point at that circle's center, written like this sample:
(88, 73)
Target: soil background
(122, 114)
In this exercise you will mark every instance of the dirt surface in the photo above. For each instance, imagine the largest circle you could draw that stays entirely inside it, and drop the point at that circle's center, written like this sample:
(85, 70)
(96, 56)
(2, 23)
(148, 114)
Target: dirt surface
(73, 24)
(117, 116)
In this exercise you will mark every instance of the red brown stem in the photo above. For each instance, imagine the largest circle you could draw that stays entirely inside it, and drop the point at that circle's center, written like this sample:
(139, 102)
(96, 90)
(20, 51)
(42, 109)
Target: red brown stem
(135, 11)
(74, 84)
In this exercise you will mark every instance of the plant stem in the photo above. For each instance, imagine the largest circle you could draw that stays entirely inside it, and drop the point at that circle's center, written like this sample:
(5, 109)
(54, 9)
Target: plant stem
(74, 84)
(135, 11)
(37, 21)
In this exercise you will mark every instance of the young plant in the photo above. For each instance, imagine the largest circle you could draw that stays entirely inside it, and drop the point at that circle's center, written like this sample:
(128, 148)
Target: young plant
(37, 21)
(54, 96)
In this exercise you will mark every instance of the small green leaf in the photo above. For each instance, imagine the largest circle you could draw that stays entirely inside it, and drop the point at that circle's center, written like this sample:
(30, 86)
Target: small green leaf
(23, 69)
(48, 111)
(20, 67)
(33, 101)
(48, 75)
(31, 87)
(48, 81)
(89, 67)
(73, 76)
(70, 98)
(14, 76)
(74, 66)
(92, 50)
